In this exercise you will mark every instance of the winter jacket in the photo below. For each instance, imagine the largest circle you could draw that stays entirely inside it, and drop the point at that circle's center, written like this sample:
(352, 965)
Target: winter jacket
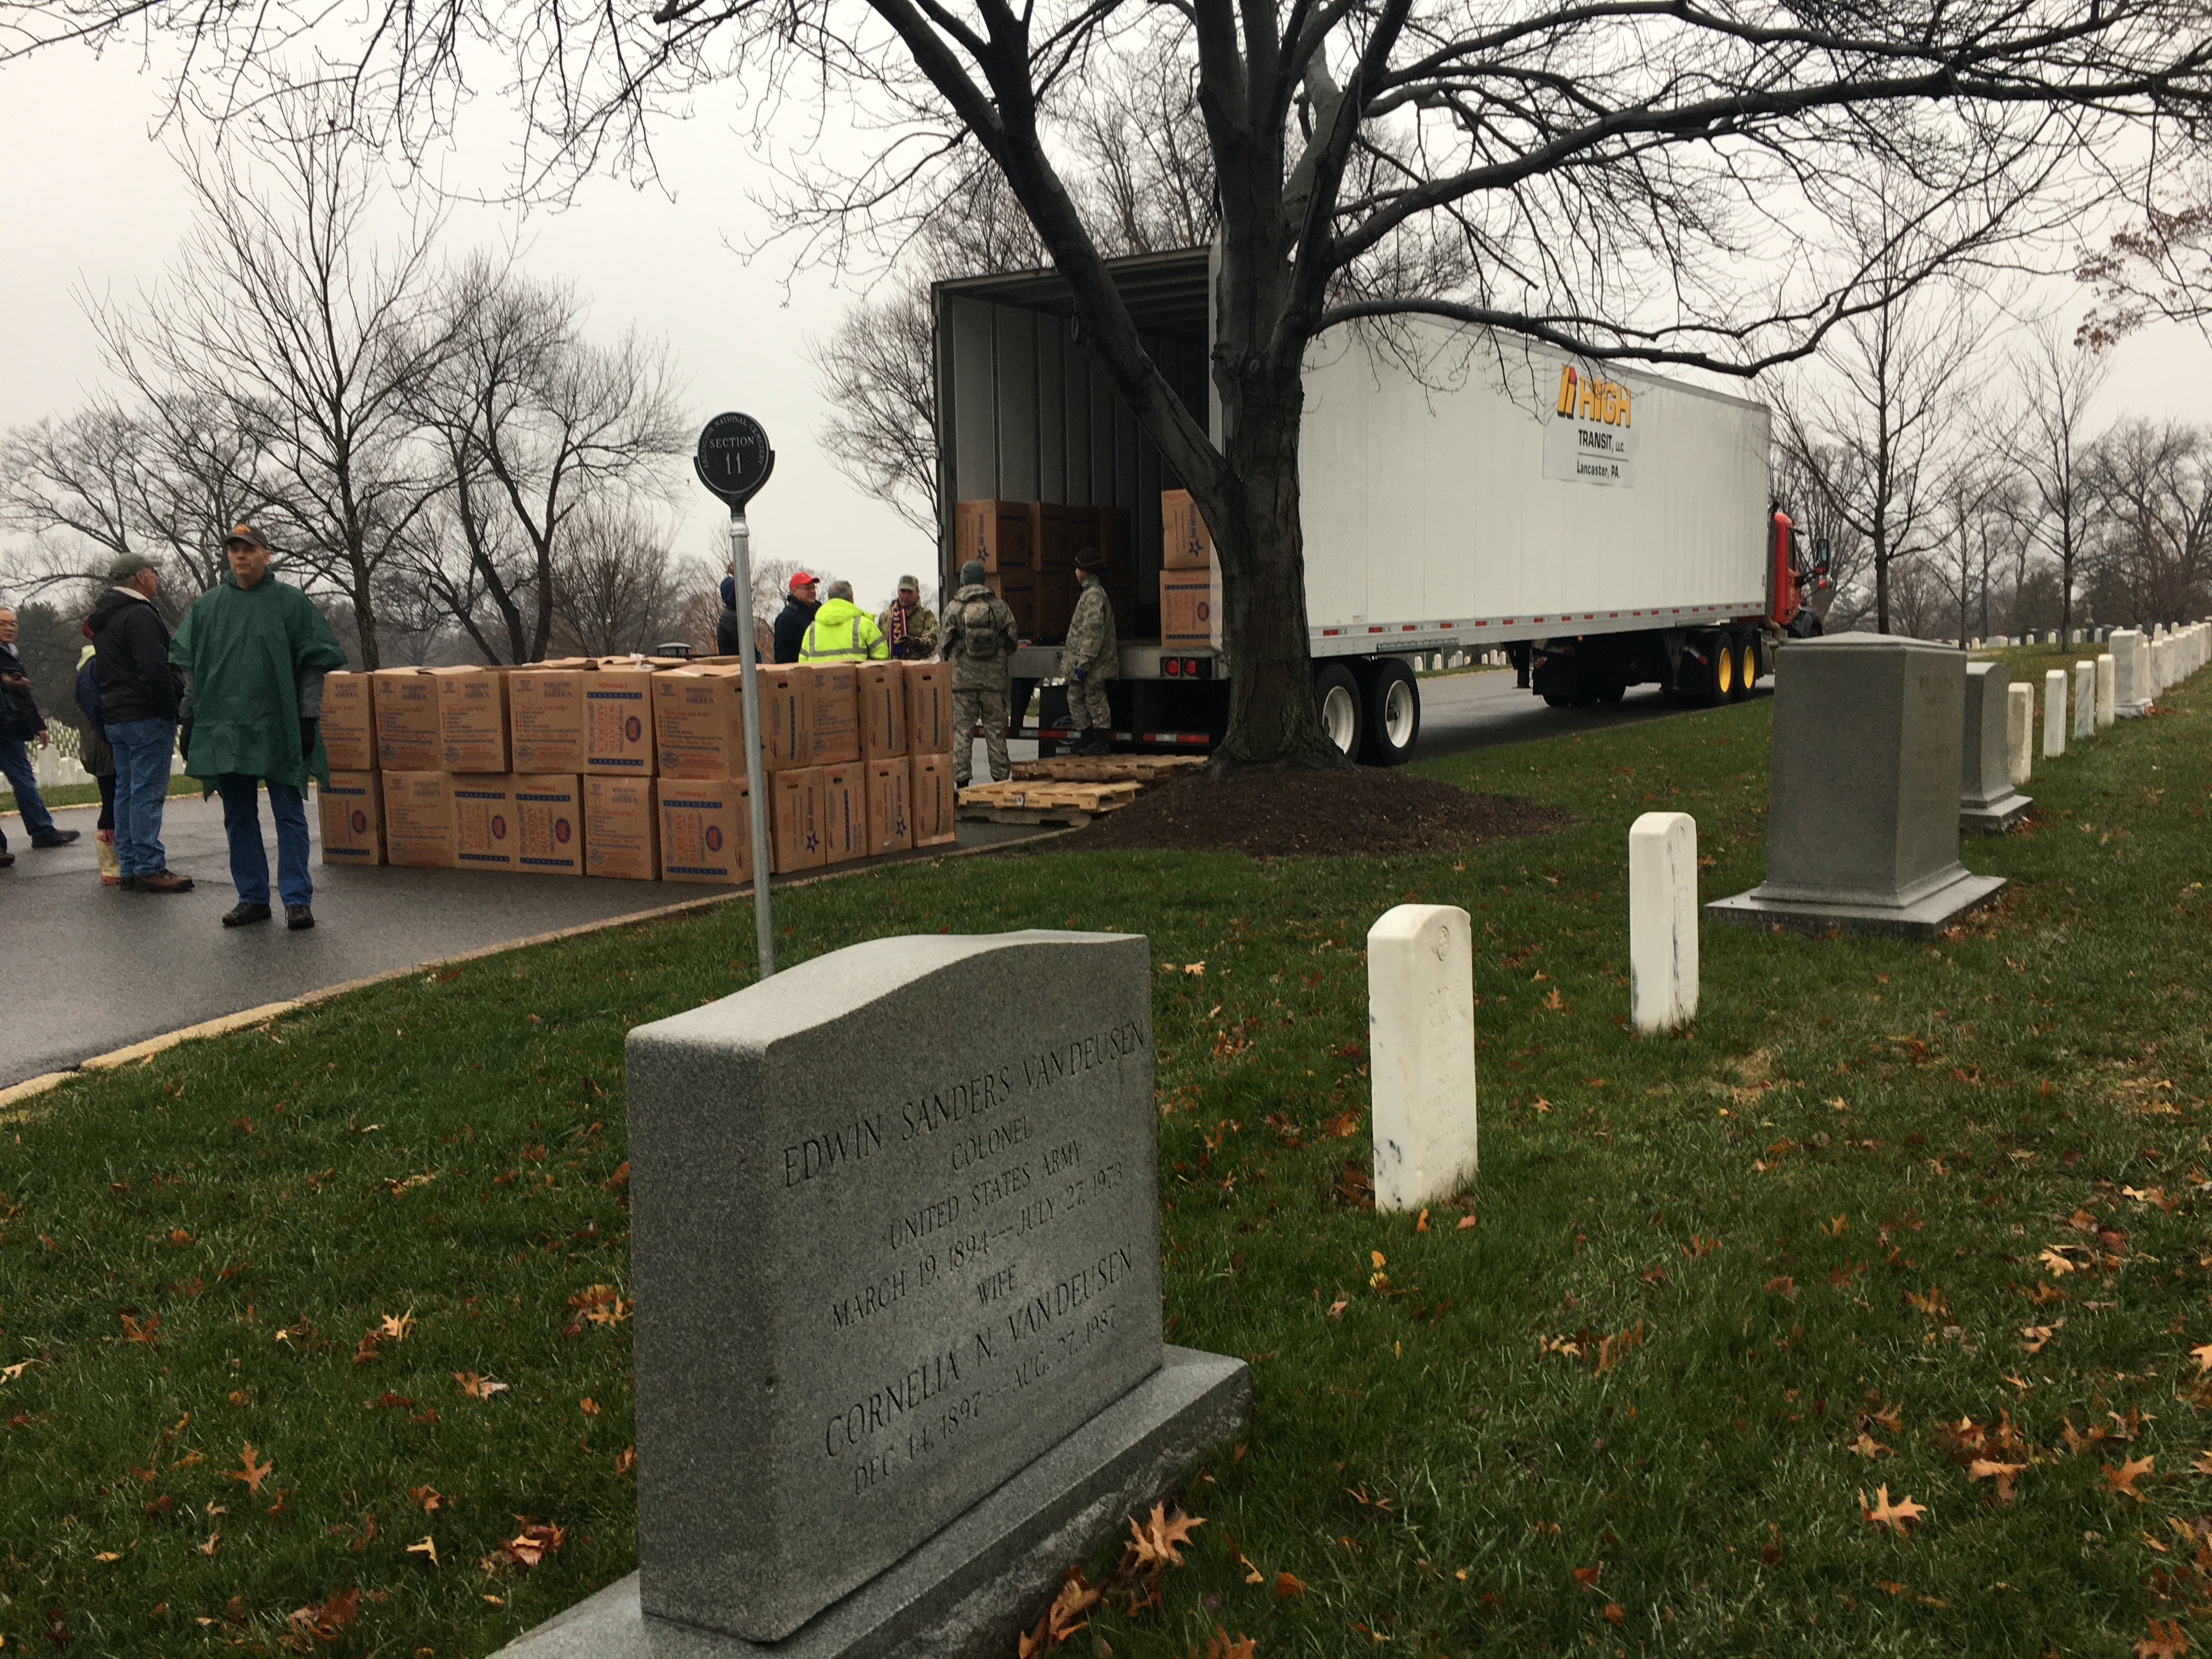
(1092, 644)
(841, 632)
(980, 635)
(130, 644)
(258, 656)
(729, 637)
(790, 628)
(95, 754)
(20, 719)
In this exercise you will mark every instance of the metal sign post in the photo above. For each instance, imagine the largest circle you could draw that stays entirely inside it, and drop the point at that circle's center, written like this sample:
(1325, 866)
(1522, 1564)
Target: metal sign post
(733, 461)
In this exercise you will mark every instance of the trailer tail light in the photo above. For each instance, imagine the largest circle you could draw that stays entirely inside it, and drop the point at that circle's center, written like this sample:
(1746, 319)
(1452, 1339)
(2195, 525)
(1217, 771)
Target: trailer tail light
(1170, 665)
(1190, 668)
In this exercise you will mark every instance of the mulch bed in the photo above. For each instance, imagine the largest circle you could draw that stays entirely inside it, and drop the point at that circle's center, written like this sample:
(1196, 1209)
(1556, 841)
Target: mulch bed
(1367, 812)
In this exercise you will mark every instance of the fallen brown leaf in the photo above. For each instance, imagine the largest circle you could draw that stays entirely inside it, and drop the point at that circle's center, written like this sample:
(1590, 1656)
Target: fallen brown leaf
(1898, 1516)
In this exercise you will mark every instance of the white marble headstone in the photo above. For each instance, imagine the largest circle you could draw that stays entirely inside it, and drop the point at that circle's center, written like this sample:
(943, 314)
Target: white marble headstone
(1662, 921)
(1420, 1042)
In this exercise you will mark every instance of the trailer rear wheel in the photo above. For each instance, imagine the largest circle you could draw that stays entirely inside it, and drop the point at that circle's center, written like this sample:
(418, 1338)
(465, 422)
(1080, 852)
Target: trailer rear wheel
(1747, 666)
(1338, 694)
(1724, 671)
(1392, 717)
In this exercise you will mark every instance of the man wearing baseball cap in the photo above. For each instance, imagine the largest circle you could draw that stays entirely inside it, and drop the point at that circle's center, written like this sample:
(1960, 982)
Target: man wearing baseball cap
(909, 626)
(798, 611)
(256, 650)
(139, 692)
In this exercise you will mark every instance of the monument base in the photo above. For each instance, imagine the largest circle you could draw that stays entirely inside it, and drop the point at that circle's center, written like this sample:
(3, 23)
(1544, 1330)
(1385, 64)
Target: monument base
(990, 1573)
(1993, 817)
(1926, 915)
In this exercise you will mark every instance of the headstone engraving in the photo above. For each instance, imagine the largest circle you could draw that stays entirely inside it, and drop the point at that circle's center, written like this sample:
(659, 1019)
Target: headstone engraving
(1988, 802)
(1662, 921)
(1862, 815)
(1420, 1047)
(2104, 688)
(2019, 731)
(896, 1267)
(2085, 700)
(2054, 713)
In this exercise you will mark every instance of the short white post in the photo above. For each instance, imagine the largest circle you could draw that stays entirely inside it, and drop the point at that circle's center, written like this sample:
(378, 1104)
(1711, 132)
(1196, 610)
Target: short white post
(1420, 1047)
(2106, 679)
(2085, 700)
(1662, 921)
(2054, 713)
(2019, 731)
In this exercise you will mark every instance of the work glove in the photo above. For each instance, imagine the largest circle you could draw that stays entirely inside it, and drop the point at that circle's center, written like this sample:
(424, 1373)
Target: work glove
(307, 739)
(1083, 673)
(184, 739)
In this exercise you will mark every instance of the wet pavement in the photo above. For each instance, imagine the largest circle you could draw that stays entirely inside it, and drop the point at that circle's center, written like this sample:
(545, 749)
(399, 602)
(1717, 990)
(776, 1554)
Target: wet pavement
(91, 969)
(1460, 711)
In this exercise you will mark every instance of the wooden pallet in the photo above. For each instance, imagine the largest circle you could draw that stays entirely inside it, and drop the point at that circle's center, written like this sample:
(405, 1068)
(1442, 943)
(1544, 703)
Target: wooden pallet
(1020, 802)
(1106, 768)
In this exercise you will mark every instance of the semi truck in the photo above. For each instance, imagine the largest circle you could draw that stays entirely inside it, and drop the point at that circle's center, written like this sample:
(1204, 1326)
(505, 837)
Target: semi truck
(1464, 490)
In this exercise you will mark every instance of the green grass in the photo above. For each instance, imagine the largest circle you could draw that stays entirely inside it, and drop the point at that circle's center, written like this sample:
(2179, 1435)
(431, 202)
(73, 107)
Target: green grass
(1817, 1218)
(87, 794)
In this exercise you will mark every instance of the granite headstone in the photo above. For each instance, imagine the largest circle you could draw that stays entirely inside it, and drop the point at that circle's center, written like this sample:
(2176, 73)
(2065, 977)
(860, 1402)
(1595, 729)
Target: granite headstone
(897, 1270)
(1863, 813)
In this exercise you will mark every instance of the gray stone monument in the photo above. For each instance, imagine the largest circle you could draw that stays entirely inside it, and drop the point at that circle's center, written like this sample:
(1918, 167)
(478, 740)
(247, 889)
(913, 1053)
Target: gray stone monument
(1988, 803)
(897, 1264)
(1863, 814)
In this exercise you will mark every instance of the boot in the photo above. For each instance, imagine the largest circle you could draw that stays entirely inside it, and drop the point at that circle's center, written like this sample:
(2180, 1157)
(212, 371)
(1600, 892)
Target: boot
(110, 872)
(1094, 742)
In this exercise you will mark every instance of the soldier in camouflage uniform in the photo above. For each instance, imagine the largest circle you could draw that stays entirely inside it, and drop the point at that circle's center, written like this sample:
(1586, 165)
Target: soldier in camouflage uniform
(979, 635)
(1090, 657)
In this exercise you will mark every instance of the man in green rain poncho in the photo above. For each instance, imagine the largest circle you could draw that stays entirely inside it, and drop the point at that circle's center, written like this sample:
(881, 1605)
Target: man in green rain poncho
(255, 651)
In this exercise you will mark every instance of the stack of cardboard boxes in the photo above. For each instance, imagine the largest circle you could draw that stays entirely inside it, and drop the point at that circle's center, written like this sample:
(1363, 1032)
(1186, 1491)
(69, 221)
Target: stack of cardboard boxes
(1190, 579)
(1027, 549)
(634, 768)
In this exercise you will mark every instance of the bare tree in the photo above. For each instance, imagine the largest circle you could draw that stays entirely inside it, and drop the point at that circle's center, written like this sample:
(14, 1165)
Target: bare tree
(879, 379)
(2061, 379)
(287, 321)
(1646, 181)
(618, 585)
(2158, 268)
(534, 424)
(2152, 483)
(1828, 532)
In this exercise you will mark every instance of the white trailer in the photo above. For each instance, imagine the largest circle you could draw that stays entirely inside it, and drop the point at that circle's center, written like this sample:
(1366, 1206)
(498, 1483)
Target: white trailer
(1464, 491)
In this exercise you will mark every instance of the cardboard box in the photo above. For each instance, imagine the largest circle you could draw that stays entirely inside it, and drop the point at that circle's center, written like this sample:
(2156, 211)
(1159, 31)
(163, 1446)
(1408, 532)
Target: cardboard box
(471, 719)
(349, 723)
(698, 724)
(883, 709)
(351, 806)
(1058, 532)
(618, 721)
(1019, 589)
(418, 819)
(787, 709)
(549, 813)
(705, 829)
(1055, 603)
(545, 720)
(1185, 542)
(484, 826)
(404, 702)
(795, 828)
(930, 799)
(836, 688)
(928, 708)
(622, 828)
(889, 788)
(845, 812)
(996, 532)
(1190, 607)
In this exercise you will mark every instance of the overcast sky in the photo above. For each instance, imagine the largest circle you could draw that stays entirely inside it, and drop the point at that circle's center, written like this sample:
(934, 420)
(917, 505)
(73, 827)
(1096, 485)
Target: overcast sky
(90, 197)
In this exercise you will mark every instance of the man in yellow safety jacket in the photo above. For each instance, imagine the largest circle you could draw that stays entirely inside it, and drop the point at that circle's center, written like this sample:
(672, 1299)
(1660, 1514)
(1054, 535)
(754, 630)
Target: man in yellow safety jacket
(841, 631)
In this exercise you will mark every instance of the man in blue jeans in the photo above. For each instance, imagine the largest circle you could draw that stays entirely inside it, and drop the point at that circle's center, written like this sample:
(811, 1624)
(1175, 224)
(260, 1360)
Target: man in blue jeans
(139, 693)
(256, 650)
(20, 723)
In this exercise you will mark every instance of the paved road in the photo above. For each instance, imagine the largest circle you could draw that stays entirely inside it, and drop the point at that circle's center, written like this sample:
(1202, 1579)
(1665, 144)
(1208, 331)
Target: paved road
(1460, 711)
(92, 969)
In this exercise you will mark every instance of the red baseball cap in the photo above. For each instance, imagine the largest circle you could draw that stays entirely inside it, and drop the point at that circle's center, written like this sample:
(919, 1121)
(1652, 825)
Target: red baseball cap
(802, 580)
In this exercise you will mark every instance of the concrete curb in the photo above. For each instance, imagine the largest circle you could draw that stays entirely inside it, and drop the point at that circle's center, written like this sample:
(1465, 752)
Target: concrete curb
(249, 1018)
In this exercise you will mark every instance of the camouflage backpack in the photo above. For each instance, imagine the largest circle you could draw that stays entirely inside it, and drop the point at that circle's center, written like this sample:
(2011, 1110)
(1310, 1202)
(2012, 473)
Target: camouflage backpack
(979, 631)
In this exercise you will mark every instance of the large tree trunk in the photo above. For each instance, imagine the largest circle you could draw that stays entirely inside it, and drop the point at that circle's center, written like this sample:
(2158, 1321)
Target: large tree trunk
(1272, 718)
